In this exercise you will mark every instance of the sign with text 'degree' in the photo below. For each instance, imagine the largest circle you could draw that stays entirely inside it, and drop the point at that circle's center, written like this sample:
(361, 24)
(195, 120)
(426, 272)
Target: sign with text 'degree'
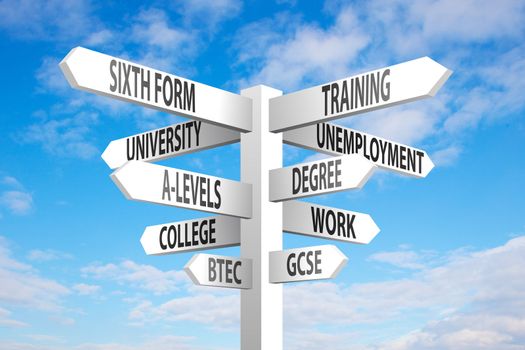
(110, 76)
(220, 271)
(153, 183)
(401, 83)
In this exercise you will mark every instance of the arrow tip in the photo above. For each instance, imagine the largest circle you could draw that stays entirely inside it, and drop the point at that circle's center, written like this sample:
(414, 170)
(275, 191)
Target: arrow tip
(66, 67)
(107, 157)
(189, 271)
(442, 75)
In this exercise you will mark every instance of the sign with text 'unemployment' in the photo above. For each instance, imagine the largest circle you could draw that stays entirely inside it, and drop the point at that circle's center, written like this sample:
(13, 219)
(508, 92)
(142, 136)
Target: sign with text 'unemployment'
(318, 177)
(110, 76)
(329, 223)
(306, 264)
(192, 235)
(169, 186)
(404, 82)
(168, 142)
(220, 271)
(336, 140)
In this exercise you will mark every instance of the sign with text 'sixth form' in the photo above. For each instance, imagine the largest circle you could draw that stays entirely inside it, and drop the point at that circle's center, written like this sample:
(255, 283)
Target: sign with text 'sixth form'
(254, 212)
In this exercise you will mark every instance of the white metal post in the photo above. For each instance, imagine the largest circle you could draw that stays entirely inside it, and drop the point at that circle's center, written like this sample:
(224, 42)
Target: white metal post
(261, 306)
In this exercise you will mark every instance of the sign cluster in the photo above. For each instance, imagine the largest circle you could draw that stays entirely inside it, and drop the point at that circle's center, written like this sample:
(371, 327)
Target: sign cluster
(219, 117)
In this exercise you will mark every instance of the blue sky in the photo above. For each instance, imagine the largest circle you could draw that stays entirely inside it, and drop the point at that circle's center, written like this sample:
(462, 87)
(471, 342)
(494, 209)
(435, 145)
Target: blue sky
(446, 270)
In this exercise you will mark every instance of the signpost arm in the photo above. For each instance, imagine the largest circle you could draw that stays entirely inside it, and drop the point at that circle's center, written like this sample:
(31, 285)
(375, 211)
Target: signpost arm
(261, 306)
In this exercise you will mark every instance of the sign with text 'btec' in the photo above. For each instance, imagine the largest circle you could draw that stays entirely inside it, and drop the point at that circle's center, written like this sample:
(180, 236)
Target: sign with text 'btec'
(220, 271)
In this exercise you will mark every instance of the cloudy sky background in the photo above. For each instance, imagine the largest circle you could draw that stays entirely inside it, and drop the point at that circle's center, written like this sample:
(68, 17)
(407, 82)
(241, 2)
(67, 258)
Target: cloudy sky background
(445, 272)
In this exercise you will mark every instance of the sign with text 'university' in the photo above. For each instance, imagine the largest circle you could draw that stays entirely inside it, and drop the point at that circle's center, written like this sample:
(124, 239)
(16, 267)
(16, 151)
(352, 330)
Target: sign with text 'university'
(306, 264)
(110, 76)
(322, 176)
(192, 235)
(336, 140)
(220, 271)
(329, 223)
(168, 142)
(169, 186)
(404, 82)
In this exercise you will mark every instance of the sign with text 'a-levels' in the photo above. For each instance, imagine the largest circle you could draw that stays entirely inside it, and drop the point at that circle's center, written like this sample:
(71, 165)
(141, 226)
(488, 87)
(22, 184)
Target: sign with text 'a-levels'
(110, 76)
(192, 235)
(306, 264)
(322, 176)
(168, 142)
(336, 140)
(220, 271)
(329, 223)
(404, 82)
(169, 186)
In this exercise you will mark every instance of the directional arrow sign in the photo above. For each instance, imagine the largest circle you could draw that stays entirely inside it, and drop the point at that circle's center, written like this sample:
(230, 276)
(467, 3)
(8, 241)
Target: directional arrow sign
(322, 176)
(159, 184)
(220, 271)
(325, 222)
(336, 140)
(106, 75)
(168, 142)
(405, 82)
(191, 235)
(306, 264)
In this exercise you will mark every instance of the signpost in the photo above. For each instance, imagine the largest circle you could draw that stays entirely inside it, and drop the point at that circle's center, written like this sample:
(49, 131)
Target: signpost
(318, 177)
(328, 223)
(220, 271)
(131, 82)
(170, 141)
(192, 235)
(401, 83)
(184, 189)
(306, 264)
(337, 140)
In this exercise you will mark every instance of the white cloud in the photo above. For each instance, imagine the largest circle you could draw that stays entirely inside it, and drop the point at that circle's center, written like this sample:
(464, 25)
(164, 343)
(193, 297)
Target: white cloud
(7, 321)
(86, 289)
(39, 255)
(403, 259)
(14, 197)
(446, 156)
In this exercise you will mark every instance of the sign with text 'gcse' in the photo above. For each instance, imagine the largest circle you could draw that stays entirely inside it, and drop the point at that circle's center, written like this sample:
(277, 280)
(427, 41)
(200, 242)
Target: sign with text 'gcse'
(220, 271)
(162, 185)
(322, 176)
(110, 76)
(336, 140)
(404, 82)
(192, 235)
(306, 264)
(329, 223)
(168, 142)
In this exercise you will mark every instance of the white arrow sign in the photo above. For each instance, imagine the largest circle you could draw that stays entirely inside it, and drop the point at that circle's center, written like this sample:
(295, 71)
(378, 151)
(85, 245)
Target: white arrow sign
(336, 140)
(220, 271)
(322, 176)
(159, 184)
(329, 223)
(192, 235)
(110, 76)
(404, 82)
(168, 142)
(306, 264)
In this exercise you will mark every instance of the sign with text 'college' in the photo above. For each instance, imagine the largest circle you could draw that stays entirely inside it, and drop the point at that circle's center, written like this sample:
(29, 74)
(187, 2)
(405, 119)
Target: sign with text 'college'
(168, 142)
(153, 183)
(336, 140)
(404, 82)
(110, 76)
(322, 176)
(329, 223)
(306, 264)
(191, 235)
(220, 271)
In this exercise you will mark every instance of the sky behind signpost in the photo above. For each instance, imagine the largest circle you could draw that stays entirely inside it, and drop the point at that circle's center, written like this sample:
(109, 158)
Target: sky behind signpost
(446, 270)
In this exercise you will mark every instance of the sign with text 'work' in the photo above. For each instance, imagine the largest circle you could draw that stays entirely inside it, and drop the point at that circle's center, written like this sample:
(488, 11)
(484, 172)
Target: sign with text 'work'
(329, 223)
(404, 82)
(110, 76)
(306, 264)
(322, 176)
(168, 142)
(191, 235)
(169, 186)
(220, 271)
(336, 140)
